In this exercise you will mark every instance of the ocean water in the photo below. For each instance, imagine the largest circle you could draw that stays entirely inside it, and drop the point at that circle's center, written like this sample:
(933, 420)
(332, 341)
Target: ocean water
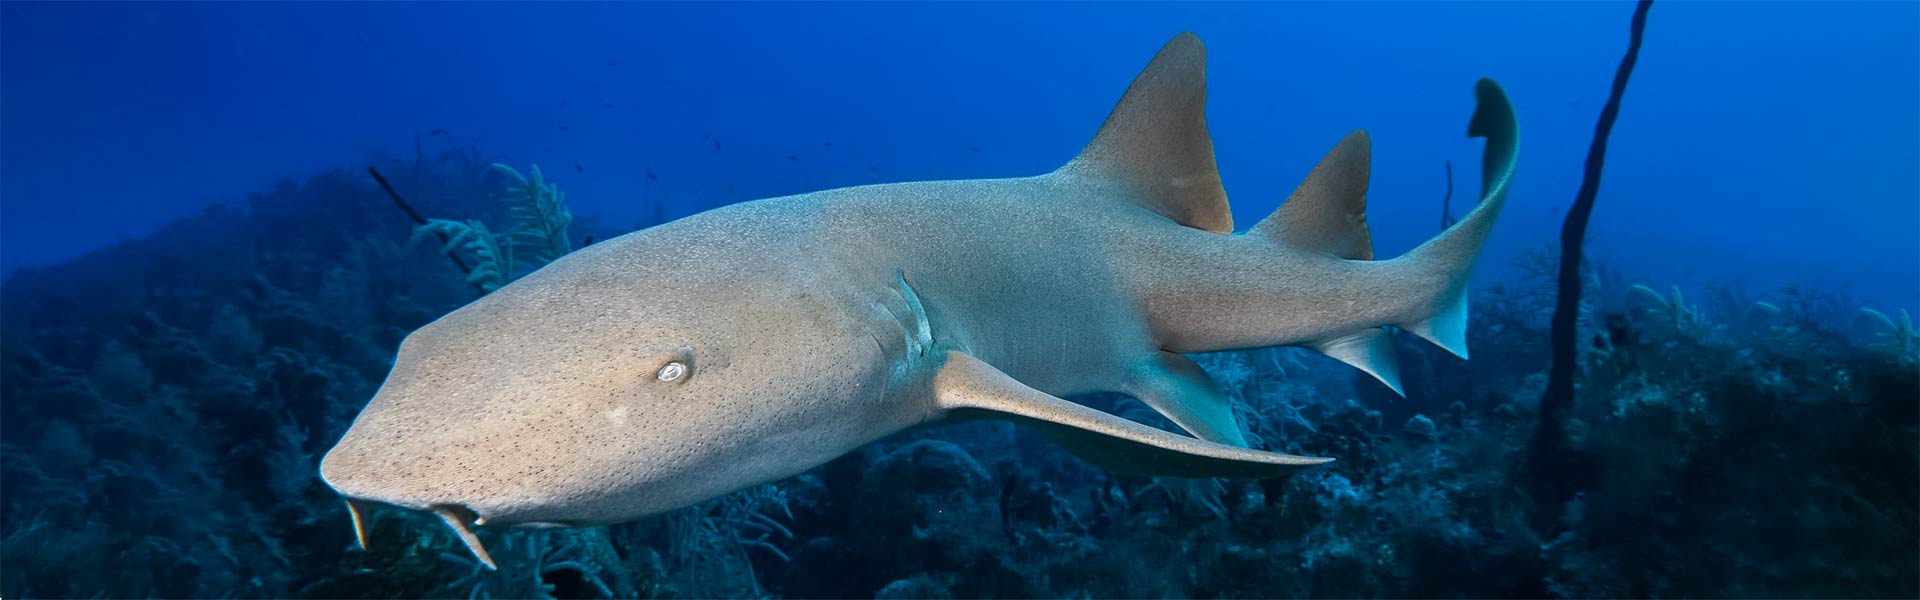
(219, 222)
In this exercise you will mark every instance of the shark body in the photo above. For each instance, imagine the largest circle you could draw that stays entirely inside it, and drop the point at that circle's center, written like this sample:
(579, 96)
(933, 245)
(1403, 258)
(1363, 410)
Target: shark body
(752, 342)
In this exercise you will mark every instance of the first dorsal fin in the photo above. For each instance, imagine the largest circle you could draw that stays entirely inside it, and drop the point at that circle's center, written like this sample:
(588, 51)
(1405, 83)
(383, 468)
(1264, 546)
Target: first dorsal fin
(1156, 141)
(1328, 212)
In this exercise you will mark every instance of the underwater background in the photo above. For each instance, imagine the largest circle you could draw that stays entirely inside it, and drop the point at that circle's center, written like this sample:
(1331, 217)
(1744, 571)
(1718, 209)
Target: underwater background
(204, 284)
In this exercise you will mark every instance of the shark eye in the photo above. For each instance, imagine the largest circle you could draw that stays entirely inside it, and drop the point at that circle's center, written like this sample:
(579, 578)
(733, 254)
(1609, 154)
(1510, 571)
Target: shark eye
(673, 371)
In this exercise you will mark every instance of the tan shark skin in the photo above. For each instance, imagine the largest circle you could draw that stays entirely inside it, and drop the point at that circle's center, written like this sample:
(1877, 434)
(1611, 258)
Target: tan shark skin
(810, 325)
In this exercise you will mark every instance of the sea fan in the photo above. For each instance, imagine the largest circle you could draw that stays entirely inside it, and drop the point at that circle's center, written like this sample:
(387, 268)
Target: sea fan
(540, 217)
(1899, 336)
(493, 264)
(1684, 318)
(538, 235)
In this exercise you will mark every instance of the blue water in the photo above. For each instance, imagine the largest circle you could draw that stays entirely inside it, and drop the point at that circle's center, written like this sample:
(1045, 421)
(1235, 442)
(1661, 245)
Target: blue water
(1770, 141)
(202, 287)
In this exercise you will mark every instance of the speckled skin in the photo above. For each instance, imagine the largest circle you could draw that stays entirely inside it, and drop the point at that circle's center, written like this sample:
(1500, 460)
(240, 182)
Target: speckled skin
(538, 404)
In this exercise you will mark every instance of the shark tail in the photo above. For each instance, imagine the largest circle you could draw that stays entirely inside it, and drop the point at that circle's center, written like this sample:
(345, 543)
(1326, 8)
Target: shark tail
(1427, 287)
(1327, 215)
(1439, 268)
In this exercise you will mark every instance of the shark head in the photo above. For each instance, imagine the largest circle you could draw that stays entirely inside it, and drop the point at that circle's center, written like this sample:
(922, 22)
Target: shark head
(574, 398)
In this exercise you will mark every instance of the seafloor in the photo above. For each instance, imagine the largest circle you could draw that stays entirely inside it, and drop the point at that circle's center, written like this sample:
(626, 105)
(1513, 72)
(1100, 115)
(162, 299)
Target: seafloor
(166, 402)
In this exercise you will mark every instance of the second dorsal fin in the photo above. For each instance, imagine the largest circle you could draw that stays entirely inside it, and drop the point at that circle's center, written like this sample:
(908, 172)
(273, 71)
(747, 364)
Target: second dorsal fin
(1328, 212)
(1156, 141)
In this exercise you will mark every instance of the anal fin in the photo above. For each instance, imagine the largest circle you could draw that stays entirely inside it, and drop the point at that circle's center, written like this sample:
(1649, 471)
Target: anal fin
(970, 388)
(1370, 350)
(1446, 327)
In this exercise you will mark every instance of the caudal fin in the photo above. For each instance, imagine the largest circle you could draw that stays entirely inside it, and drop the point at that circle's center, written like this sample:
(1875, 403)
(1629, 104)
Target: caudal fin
(1424, 291)
(1439, 267)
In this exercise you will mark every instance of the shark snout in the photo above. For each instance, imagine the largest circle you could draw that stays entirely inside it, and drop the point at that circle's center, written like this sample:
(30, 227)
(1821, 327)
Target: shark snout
(374, 473)
(363, 489)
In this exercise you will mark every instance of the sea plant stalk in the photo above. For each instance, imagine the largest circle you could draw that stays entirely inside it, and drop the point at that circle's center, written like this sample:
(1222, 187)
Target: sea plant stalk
(1548, 454)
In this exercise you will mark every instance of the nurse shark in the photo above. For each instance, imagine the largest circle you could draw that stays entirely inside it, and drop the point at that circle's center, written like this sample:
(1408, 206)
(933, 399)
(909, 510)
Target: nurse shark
(752, 342)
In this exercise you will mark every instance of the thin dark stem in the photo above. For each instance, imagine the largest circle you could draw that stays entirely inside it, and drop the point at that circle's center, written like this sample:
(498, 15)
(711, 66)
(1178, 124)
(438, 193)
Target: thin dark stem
(417, 219)
(419, 162)
(1446, 203)
(1549, 440)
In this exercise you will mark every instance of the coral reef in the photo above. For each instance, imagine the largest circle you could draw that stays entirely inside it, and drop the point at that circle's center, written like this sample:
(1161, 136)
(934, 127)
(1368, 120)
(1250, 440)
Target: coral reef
(539, 234)
(166, 403)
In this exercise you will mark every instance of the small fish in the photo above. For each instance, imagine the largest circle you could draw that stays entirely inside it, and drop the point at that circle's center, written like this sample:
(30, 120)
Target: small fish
(652, 177)
(973, 148)
(579, 169)
(716, 144)
(729, 189)
(563, 104)
(609, 105)
(793, 158)
(871, 168)
(436, 132)
(563, 129)
(828, 144)
(613, 63)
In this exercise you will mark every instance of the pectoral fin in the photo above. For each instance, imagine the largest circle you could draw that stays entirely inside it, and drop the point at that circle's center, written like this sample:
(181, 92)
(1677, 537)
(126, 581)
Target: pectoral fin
(968, 387)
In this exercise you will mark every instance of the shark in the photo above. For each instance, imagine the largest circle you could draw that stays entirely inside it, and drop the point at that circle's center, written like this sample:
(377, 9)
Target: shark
(755, 341)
